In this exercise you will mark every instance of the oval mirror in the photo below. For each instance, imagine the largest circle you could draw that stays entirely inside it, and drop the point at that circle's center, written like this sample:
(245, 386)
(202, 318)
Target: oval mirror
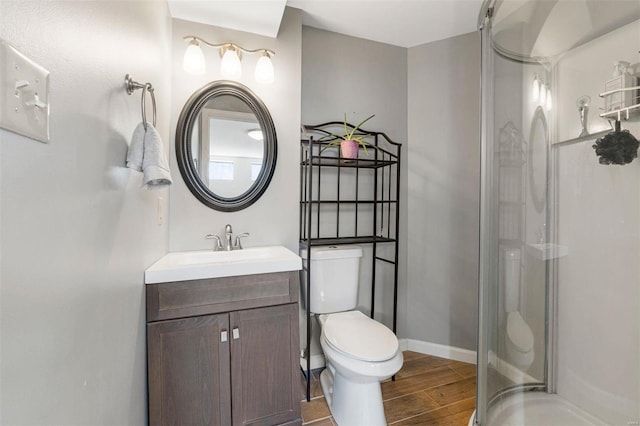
(538, 145)
(226, 146)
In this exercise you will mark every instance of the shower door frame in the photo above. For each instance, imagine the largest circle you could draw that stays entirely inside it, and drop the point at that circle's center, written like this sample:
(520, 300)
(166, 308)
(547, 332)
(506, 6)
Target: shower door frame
(489, 244)
(486, 186)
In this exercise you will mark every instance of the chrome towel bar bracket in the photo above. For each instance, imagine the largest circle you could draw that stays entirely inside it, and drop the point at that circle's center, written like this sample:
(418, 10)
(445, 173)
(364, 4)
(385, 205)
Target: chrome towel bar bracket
(131, 85)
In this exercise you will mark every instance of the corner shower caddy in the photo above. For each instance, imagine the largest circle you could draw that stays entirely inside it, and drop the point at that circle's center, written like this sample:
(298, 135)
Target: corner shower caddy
(321, 211)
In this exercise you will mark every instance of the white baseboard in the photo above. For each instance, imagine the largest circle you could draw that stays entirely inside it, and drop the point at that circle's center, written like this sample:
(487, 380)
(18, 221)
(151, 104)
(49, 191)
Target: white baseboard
(317, 361)
(436, 349)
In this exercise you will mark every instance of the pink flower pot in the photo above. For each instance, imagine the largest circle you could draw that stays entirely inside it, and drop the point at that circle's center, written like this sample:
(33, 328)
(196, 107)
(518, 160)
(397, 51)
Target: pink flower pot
(349, 148)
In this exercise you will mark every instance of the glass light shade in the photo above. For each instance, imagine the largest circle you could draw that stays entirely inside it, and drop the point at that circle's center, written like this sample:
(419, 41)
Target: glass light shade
(230, 66)
(548, 104)
(543, 94)
(264, 70)
(535, 90)
(193, 60)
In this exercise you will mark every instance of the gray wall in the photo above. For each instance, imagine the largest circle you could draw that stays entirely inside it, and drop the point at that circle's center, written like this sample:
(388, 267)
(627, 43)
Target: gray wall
(77, 230)
(273, 219)
(360, 77)
(443, 191)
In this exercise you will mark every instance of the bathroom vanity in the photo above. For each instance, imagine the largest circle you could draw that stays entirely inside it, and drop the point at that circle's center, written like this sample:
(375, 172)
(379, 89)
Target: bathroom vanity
(224, 350)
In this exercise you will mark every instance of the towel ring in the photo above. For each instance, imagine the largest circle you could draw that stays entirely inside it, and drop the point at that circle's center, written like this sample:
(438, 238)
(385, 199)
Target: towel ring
(131, 85)
(145, 89)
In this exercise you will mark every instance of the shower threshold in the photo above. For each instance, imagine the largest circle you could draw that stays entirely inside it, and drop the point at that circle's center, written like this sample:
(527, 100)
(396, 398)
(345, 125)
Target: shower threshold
(538, 409)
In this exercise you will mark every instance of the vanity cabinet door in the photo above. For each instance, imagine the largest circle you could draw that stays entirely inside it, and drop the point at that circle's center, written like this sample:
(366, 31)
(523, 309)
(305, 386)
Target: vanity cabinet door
(188, 361)
(265, 366)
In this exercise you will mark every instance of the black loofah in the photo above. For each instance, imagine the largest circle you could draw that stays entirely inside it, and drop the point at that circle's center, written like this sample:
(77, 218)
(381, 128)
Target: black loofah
(617, 147)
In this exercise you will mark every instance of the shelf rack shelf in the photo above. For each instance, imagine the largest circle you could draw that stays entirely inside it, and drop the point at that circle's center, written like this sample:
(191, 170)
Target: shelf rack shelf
(361, 206)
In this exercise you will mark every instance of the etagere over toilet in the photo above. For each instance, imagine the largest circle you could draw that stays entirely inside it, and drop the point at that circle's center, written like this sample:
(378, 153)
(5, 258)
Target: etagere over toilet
(351, 201)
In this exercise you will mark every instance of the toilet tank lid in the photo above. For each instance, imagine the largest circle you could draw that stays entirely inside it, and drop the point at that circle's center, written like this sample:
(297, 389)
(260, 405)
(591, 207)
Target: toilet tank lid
(333, 252)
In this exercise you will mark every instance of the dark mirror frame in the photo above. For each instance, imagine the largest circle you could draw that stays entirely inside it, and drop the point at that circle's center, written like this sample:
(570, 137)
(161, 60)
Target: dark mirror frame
(186, 121)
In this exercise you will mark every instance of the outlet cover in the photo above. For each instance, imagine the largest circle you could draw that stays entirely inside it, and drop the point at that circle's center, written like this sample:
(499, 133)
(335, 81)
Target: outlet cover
(24, 94)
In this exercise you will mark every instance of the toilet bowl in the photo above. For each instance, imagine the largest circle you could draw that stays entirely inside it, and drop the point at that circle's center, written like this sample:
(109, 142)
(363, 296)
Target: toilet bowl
(519, 338)
(360, 353)
(519, 341)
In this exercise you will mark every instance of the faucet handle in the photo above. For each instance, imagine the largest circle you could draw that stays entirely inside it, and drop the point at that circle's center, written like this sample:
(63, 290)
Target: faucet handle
(238, 245)
(227, 229)
(218, 245)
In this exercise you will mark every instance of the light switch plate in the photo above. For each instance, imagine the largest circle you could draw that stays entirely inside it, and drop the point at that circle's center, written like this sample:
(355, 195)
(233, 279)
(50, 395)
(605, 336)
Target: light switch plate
(24, 94)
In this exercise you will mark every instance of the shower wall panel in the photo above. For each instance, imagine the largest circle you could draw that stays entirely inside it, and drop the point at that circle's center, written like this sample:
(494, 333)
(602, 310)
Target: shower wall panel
(598, 210)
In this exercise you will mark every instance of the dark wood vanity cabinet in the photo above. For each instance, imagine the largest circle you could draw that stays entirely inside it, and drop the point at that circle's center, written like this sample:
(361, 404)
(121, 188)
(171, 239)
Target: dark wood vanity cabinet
(234, 361)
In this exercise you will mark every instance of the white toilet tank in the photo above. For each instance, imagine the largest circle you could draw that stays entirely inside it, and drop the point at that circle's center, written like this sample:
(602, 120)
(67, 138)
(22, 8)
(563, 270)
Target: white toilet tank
(511, 262)
(334, 278)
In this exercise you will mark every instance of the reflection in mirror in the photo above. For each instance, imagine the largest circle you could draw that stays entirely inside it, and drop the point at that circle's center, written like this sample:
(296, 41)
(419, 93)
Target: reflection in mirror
(226, 146)
(538, 146)
(226, 152)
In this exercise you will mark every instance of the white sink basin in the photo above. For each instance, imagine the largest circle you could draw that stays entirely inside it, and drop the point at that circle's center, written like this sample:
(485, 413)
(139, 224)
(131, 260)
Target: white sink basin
(194, 265)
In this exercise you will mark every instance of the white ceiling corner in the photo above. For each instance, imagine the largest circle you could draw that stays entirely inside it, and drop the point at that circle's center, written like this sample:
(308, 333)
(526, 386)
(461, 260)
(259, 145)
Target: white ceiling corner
(404, 23)
(261, 17)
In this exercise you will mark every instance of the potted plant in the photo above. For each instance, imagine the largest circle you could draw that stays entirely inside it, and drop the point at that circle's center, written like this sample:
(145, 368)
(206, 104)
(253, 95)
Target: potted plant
(349, 142)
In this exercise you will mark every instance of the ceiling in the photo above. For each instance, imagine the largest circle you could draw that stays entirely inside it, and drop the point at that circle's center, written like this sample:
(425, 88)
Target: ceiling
(404, 23)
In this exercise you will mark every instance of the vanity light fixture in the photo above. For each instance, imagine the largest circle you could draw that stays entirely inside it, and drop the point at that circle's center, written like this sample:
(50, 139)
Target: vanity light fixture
(193, 61)
(230, 65)
(535, 89)
(548, 103)
(543, 94)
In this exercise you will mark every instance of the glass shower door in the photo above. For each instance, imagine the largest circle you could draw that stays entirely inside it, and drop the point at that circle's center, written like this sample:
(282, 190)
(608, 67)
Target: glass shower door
(513, 279)
(559, 291)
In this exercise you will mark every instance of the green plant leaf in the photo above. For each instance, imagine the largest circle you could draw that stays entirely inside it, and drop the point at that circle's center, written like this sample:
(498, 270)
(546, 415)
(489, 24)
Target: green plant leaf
(355, 129)
(346, 132)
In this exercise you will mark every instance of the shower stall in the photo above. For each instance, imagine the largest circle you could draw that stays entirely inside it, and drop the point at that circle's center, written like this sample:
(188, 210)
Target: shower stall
(559, 293)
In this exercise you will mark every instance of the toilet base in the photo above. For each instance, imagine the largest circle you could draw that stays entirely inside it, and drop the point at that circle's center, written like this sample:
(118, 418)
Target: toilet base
(343, 395)
(521, 360)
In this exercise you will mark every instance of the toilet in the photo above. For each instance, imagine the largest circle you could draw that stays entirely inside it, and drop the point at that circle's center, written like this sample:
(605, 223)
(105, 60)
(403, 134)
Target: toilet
(519, 337)
(359, 351)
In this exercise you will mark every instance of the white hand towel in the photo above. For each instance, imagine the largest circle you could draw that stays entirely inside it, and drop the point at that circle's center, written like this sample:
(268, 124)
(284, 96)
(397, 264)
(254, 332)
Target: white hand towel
(154, 163)
(136, 149)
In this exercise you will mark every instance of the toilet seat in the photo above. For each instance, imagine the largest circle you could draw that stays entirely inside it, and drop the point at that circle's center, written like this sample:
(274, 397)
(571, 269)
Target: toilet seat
(359, 337)
(519, 332)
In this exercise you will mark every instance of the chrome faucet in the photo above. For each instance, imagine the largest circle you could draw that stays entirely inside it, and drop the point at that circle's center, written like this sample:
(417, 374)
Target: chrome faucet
(218, 244)
(227, 237)
(238, 244)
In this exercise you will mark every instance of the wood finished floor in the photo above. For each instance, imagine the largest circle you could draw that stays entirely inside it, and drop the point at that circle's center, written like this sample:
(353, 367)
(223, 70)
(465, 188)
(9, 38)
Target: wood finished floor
(427, 391)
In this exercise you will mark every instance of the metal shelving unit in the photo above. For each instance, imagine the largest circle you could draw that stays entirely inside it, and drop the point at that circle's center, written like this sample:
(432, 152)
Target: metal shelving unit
(330, 218)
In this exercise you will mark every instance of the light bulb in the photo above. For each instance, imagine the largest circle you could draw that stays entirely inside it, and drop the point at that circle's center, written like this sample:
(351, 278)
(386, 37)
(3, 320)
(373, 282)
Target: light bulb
(548, 104)
(264, 69)
(255, 134)
(535, 90)
(543, 94)
(193, 60)
(230, 67)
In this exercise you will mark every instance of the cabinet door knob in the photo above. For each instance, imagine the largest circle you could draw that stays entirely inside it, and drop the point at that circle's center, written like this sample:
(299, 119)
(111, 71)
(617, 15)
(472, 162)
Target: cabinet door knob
(236, 333)
(223, 336)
